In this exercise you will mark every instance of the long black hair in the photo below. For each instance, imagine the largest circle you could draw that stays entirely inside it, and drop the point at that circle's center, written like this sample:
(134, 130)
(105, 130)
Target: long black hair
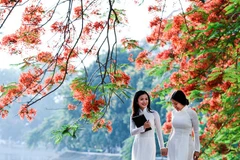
(180, 97)
(135, 106)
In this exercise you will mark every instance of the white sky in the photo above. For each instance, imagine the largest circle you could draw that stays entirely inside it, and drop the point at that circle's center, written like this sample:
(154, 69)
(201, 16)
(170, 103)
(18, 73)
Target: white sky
(138, 18)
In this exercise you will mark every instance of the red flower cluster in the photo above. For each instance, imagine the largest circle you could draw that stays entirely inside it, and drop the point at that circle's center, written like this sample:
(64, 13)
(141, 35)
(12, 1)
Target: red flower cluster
(44, 57)
(72, 107)
(78, 11)
(90, 105)
(101, 123)
(119, 78)
(9, 39)
(27, 112)
(32, 15)
(7, 2)
(167, 126)
(129, 43)
(89, 101)
(143, 60)
(3, 113)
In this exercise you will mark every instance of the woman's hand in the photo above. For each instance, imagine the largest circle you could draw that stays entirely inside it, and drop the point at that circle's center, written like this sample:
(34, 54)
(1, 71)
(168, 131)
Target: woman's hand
(164, 151)
(196, 155)
(147, 124)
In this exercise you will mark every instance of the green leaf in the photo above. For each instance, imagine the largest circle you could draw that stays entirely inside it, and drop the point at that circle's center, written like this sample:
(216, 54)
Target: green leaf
(230, 9)
(195, 94)
(215, 25)
(159, 70)
(9, 87)
(168, 26)
(213, 76)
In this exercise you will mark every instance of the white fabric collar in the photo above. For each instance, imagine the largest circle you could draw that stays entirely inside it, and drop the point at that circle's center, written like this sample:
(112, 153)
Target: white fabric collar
(183, 109)
(142, 111)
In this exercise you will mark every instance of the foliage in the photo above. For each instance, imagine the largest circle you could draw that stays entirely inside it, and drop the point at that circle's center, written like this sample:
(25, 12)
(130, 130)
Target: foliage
(65, 130)
(126, 151)
(83, 30)
(197, 49)
(73, 132)
(85, 139)
(17, 131)
(203, 60)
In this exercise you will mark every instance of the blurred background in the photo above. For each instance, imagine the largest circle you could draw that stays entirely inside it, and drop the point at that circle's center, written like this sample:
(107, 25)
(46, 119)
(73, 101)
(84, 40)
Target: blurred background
(23, 140)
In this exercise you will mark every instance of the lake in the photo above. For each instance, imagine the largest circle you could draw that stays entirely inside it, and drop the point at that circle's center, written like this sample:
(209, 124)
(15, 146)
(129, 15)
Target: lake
(18, 152)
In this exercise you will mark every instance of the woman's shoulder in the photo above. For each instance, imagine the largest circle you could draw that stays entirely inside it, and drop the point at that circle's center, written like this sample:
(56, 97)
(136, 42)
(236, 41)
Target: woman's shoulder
(154, 112)
(191, 111)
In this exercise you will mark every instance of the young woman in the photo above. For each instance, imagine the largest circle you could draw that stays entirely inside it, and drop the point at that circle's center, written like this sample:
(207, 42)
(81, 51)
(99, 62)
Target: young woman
(181, 145)
(144, 146)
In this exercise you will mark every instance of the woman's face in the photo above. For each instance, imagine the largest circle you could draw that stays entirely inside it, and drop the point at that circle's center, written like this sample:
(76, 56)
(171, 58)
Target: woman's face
(143, 101)
(178, 106)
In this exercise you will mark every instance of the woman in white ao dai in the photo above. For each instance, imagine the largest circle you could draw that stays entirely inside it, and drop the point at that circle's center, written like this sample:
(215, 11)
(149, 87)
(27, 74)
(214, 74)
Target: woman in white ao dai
(144, 146)
(181, 145)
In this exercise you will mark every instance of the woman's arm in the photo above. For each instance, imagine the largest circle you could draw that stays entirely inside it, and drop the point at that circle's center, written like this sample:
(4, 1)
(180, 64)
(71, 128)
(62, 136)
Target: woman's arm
(195, 124)
(133, 128)
(169, 138)
(158, 125)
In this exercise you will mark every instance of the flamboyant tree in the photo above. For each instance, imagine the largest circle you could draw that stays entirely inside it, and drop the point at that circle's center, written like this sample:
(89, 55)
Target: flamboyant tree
(202, 57)
(198, 48)
(56, 38)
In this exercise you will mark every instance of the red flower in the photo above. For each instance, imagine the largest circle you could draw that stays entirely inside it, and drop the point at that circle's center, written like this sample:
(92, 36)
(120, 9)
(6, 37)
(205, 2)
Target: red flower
(72, 107)
(119, 78)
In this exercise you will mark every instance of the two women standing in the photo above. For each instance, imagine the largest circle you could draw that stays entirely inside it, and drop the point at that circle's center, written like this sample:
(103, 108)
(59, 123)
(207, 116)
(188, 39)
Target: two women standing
(181, 145)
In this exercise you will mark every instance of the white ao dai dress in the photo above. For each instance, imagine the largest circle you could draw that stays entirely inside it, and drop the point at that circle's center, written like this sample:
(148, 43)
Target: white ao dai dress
(144, 145)
(181, 145)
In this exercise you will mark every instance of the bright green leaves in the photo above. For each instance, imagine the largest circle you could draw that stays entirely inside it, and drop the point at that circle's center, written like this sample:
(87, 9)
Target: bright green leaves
(215, 74)
(168, 26)
(232, 75)
(233, 8)
(65, 130)
(205, 64)
(159, 70)
(196, 94)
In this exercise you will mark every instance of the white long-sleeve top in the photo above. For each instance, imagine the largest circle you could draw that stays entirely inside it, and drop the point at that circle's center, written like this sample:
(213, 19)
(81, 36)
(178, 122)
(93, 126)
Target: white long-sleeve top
(155, 121)
(195, 125)
(183, 122)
